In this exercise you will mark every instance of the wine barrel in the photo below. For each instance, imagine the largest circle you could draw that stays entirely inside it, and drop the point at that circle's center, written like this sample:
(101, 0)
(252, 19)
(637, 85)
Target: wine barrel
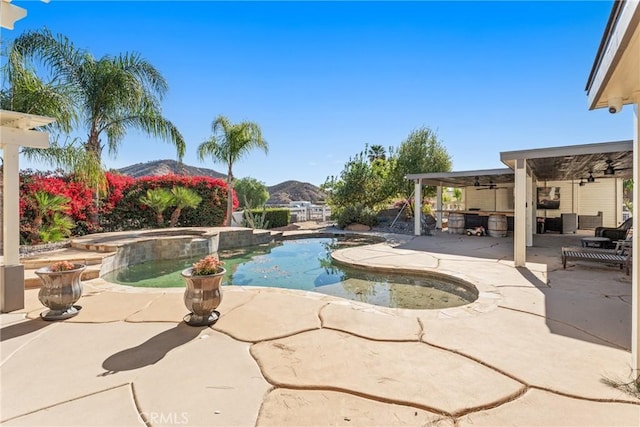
(497, 225)
(456, 223)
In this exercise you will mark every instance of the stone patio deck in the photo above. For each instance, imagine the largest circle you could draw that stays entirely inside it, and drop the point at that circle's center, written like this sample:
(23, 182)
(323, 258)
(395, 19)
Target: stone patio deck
(532, 351)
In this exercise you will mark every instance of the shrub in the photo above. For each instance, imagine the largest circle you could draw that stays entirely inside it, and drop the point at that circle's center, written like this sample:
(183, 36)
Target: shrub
(277, 217)
(255, 220)
(274, 217)
(120, 207)
(130, 214)
(79, 206)
(356, 214)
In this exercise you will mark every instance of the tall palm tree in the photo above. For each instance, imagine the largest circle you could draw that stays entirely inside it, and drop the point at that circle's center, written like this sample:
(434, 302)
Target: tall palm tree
(376, 152)
(229, 143)
(106, 97)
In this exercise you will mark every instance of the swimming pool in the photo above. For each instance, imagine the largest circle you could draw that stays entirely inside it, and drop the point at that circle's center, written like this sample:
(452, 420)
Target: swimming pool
(306, 264)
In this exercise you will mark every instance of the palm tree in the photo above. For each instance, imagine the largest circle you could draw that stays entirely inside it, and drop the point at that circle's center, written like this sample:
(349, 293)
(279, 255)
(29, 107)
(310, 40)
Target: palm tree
(183, 198)
(106, 96)
(59, 227)
(44, 205)
(228, 144)
(158, 199)
(376, 152)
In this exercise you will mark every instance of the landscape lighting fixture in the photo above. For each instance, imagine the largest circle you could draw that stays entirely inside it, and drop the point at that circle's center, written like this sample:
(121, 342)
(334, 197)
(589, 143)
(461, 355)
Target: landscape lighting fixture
(591, 178)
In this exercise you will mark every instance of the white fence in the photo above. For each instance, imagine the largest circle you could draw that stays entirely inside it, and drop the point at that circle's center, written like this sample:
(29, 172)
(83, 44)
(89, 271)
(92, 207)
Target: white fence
(298, 214)
(310, 213)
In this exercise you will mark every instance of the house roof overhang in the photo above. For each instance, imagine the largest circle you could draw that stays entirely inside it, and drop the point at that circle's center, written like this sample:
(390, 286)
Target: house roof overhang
(616, 69)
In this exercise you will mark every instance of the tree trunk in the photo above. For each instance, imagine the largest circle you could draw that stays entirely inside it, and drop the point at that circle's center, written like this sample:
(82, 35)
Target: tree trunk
(93, 146)
(229, 197)
(174, 217)
(160, 219)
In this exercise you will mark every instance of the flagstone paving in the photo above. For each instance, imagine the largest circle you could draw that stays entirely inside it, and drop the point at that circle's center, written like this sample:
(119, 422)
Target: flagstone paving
(533, 350)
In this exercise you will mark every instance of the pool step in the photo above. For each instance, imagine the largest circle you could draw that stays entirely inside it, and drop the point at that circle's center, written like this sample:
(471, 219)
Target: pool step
(32, 281)
(32, 263)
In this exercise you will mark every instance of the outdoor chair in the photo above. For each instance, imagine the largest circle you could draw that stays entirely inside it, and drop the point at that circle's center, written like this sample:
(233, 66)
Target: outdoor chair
(427, 225)
(620, 255)
(615, 233)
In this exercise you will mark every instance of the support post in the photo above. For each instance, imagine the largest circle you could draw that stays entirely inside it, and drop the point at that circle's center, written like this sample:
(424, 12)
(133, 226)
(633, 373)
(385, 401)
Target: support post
(520, 214)
(531, 218)
(439, 208)
(12, 272)
(417, 226)
(635, 287)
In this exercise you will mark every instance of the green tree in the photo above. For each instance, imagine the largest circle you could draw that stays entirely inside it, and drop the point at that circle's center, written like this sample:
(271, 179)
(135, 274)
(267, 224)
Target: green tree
(158, 200)
(229, 143)
(106, 97)
(361, 183)
(251, 193)
(627, 192)
(181, 198)
(421, 152)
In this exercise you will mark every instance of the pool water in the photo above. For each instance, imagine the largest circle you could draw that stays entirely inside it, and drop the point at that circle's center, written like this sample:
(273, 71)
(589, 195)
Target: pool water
(306, 264)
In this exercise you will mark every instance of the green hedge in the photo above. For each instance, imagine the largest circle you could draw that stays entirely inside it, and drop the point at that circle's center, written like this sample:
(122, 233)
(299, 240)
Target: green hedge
(130, 214)
(277, 217)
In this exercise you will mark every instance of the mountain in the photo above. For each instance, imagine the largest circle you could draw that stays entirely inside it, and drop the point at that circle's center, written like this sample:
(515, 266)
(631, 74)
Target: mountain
(289, 191)
(163, 167)
(282, 193)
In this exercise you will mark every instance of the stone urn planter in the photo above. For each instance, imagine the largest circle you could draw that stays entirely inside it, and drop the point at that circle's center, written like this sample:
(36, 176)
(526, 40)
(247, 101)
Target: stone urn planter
(61, 288)
(203, 294)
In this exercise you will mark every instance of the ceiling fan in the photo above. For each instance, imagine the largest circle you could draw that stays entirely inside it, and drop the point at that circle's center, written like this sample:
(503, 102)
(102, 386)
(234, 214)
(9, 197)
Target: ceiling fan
(587, 180)
(490, 186)
(610, 169)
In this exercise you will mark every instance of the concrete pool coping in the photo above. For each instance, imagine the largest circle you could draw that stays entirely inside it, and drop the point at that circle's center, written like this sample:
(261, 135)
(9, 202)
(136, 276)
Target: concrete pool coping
(276, 357)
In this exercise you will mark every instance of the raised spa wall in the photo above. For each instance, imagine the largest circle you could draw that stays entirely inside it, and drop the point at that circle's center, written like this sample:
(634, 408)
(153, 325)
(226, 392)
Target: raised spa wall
(176, 244)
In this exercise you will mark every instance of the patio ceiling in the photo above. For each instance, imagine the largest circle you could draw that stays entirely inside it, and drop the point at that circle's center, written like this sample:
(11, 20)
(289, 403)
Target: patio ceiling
(576, 162)
(464, 178)
(573, 162)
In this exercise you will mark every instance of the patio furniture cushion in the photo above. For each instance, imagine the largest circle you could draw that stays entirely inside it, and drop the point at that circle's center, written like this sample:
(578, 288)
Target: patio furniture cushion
(589, 221)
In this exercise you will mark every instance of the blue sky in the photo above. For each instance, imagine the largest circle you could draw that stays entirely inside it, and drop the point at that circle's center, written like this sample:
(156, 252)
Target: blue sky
(324, 78)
